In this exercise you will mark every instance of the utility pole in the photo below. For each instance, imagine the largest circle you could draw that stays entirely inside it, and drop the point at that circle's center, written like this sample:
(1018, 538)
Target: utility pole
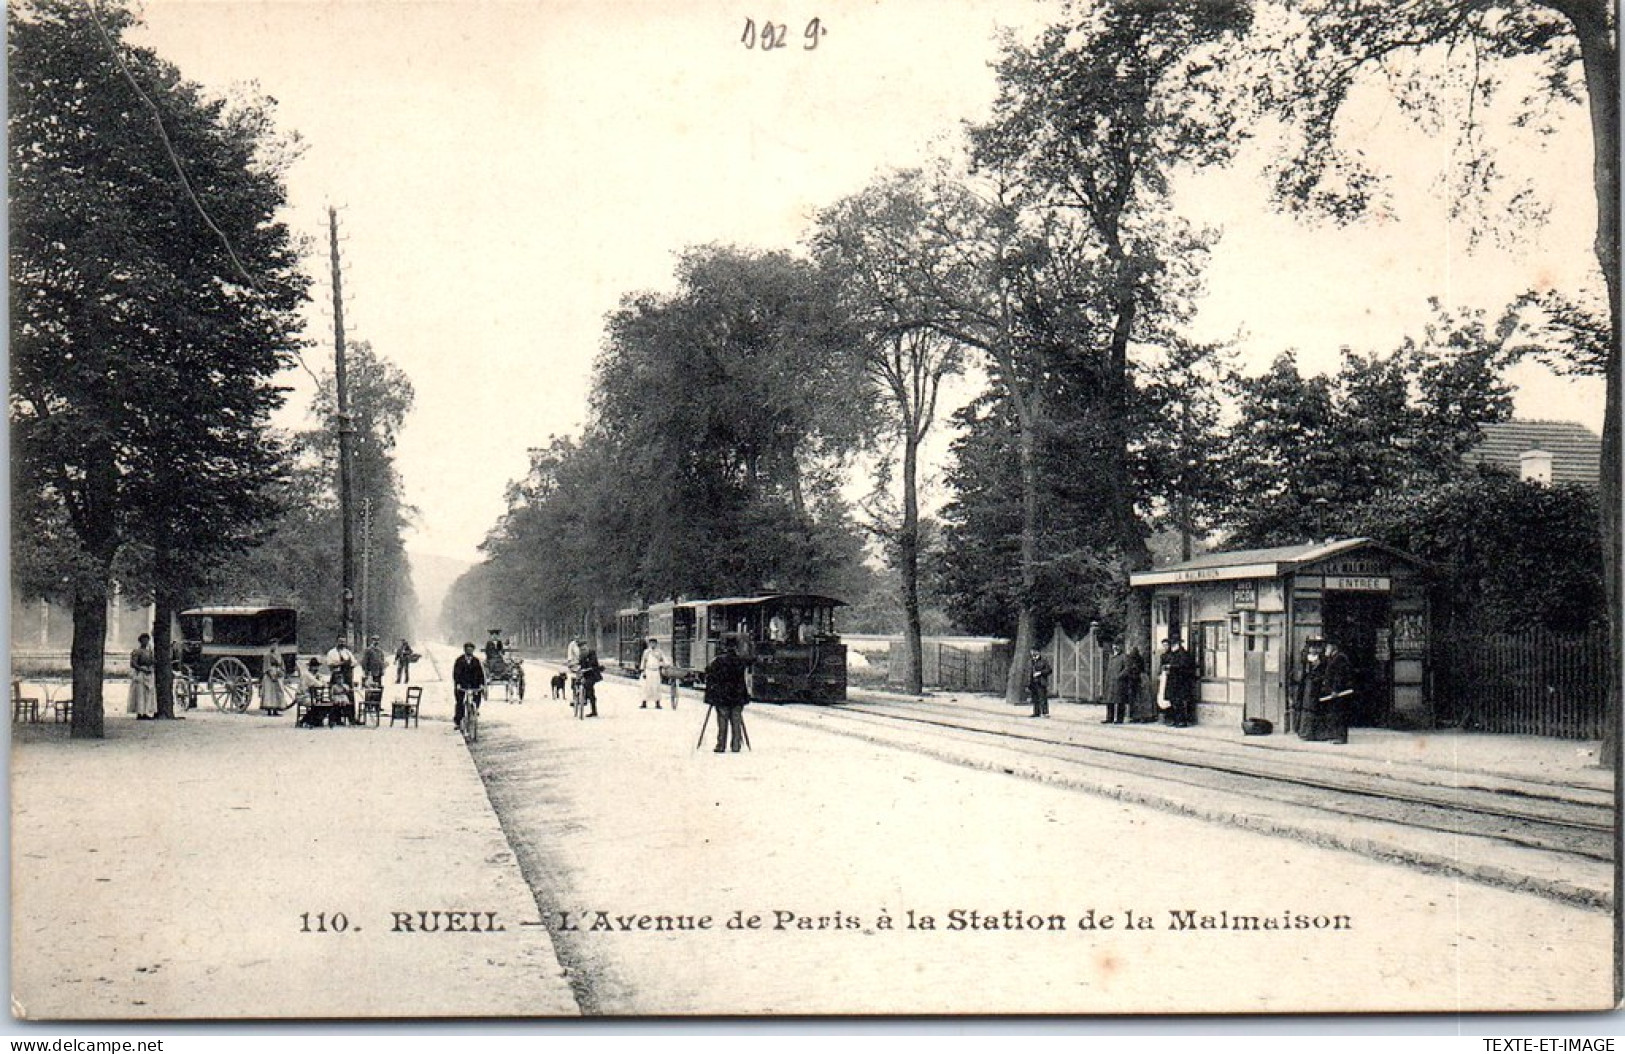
(366, 562)
(346, 433)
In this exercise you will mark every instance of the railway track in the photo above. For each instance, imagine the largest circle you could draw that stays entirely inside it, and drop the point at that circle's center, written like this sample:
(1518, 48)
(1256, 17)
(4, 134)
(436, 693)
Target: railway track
(1552, 830)
(1544, 821)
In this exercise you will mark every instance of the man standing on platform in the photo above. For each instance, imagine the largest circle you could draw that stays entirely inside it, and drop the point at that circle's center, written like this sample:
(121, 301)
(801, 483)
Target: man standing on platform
(1336, 694)
(1038, 684)
(1179, 666)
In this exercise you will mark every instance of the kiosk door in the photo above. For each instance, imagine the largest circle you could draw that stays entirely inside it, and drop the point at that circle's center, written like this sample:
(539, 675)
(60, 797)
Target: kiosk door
(1354, 621)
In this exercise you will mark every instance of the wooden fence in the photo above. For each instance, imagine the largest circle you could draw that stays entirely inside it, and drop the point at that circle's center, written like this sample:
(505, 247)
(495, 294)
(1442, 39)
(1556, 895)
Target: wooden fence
(1533, 683)
(1080, 667)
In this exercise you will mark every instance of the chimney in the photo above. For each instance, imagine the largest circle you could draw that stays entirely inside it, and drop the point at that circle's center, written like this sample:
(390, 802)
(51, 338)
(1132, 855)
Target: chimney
(1535, 466)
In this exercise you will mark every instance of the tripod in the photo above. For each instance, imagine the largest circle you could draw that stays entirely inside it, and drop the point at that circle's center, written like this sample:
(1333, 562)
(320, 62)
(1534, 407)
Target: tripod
(703, 724)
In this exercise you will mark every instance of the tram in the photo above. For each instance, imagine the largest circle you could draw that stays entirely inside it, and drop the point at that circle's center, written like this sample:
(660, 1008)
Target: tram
(790, 640)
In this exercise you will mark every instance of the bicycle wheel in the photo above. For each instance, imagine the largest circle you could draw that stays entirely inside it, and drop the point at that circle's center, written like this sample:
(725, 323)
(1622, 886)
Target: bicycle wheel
(471, 722)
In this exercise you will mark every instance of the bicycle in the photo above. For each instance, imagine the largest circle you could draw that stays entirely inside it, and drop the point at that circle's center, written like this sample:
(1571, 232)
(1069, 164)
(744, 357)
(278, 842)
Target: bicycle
(471, 715)
(578, 693)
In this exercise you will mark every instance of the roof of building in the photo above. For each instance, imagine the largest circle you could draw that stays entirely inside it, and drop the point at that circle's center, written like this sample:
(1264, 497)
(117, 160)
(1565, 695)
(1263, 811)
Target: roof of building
(1261, 563)
(1576, 450)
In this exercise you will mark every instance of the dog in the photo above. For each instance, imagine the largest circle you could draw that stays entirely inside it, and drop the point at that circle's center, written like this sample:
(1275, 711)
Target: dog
(560, 682)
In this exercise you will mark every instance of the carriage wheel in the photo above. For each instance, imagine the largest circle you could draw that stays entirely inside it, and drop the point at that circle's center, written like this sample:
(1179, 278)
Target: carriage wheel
(183, 691)
(230, 684)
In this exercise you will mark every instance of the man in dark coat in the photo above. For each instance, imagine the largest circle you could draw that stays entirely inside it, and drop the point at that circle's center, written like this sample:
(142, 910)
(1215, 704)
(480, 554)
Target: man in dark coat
(725, 691)
(1180, 666)
(1123, 673)
(1311, 676)
(467, 683)
(1336, 694)
(1038, 685)
(372, 663)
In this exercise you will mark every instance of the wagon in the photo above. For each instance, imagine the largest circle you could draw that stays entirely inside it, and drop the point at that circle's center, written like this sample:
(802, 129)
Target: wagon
(224, 650)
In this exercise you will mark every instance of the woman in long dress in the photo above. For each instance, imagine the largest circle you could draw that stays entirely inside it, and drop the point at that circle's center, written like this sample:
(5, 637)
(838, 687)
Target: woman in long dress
(271, 679)
(143, 693)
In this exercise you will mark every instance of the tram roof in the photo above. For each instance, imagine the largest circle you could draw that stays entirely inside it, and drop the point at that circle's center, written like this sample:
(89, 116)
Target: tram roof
(1262, 563)
(238, 609)
(811, 599)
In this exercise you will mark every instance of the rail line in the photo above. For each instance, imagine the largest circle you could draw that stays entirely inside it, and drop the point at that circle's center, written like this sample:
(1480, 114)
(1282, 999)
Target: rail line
(1550, 823)
(1568, 822)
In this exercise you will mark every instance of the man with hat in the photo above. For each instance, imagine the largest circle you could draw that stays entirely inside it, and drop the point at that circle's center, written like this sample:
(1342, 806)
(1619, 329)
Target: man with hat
(1038, 684)
(372, 663)
(725, 690)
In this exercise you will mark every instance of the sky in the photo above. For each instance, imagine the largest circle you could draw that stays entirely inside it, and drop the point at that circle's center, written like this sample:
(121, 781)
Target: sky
(505, 172)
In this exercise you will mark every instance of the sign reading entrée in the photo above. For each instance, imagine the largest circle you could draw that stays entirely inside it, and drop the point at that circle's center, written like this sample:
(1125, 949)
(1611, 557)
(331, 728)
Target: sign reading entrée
(1358, 583)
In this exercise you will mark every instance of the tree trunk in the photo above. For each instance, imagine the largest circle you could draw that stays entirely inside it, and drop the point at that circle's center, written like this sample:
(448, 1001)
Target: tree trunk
(89, 657)
(163, 617)
(908, 565)
(1130, 539)
(1015, 686)
(1599, 55)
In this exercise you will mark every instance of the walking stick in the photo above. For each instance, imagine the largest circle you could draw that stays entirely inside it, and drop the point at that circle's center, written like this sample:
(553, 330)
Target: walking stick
(703, 725)
(743, 729)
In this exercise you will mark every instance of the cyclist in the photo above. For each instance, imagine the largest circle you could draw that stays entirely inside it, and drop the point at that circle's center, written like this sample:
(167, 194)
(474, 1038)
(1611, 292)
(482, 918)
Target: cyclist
(468, 681)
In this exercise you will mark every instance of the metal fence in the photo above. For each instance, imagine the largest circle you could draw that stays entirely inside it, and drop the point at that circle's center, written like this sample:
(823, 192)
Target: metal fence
(1533, 683)
(968, 670)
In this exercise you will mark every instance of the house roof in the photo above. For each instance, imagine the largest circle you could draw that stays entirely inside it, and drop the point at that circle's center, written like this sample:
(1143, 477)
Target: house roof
(1260, 563)
(1576, 451)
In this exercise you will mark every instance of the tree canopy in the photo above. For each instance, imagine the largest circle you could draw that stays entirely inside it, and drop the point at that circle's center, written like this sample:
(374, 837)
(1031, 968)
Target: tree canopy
(154, 297)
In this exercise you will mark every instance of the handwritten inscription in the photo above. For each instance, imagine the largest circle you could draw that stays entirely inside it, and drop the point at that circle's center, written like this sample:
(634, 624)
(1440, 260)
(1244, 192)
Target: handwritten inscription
(774, 36)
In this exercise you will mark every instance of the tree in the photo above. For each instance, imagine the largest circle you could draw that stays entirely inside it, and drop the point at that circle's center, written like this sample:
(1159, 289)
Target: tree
(1307, 453)
(1177, 456)
(298, 563)
(153, 302)
(981, 564)
(1573, 43)
(737, 399)
(868, 243)
(1476, 531)
(1090, 121)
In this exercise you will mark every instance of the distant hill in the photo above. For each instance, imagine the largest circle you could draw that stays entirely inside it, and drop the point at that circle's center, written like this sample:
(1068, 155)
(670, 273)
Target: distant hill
(432, 578)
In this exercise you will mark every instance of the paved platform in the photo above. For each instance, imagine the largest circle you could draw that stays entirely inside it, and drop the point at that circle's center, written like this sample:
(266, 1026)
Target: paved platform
(233, 865)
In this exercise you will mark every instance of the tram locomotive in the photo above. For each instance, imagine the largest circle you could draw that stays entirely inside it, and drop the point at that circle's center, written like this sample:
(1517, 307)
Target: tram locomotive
(789, 638)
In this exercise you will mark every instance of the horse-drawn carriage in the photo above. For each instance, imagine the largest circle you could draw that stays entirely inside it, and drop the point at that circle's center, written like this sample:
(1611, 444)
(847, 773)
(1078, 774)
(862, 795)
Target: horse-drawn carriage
(223, 649)
(503, 670)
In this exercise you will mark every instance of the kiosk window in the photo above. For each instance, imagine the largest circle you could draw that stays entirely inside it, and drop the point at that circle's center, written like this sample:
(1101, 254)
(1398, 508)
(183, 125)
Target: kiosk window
(1211, 645)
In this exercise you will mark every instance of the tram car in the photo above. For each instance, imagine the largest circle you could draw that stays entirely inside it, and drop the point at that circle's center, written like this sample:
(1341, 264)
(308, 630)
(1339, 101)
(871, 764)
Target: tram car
(631, 637)
(224, 648)
(789, 638)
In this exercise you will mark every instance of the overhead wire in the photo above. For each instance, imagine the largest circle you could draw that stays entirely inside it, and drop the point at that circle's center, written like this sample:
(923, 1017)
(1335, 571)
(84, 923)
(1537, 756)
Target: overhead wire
(180, 169)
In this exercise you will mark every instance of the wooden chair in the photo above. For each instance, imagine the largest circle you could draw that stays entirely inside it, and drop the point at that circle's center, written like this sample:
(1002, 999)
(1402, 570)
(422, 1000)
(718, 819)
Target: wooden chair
(372, 704)
(316, 698)
(23, 708)
(62, 710)
(407, 709)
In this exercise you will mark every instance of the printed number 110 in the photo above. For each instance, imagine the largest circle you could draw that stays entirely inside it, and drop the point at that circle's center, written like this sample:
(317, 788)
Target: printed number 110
(772, 35)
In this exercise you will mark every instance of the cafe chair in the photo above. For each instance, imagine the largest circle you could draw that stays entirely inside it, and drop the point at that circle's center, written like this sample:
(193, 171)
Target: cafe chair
(407, 709)
(23, 708)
